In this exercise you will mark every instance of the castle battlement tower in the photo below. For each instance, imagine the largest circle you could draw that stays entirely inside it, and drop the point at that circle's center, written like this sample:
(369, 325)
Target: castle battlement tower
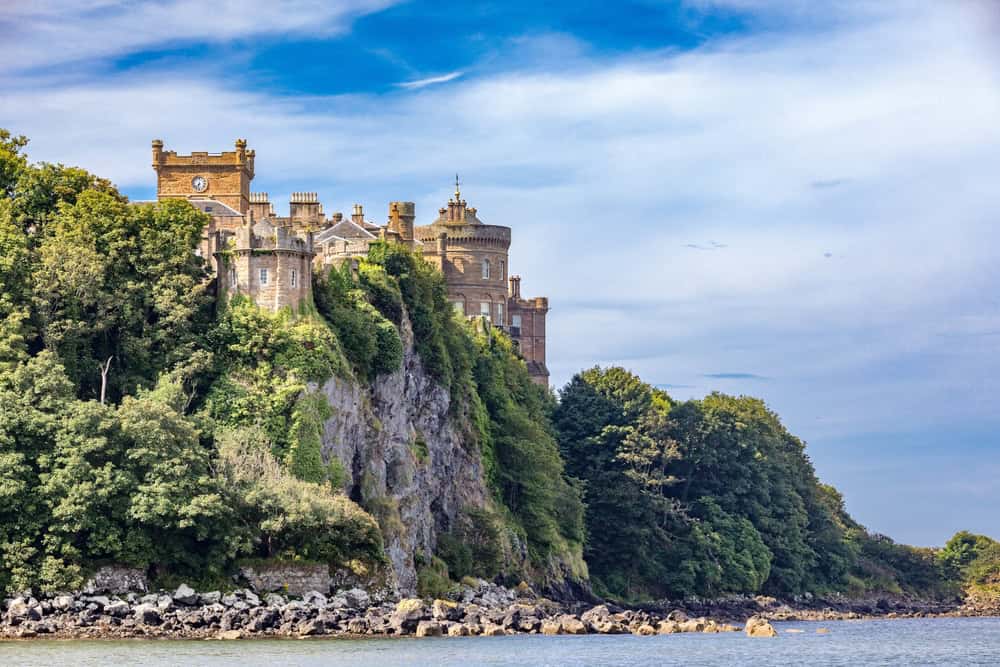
(222, 177)
(272, 265)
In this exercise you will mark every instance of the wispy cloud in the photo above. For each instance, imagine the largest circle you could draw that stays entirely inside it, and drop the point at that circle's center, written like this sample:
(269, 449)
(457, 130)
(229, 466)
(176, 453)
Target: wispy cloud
(829, 183)
(711, 245)
(50, 32)
(430, 81)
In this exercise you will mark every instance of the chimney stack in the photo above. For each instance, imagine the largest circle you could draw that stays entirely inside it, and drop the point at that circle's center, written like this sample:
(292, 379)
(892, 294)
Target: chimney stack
(515, 287)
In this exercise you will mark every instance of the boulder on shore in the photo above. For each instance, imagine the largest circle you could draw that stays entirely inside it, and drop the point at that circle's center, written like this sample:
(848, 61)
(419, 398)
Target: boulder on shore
(759, 627)
(185, 595)
(407, 614)
(429, 629)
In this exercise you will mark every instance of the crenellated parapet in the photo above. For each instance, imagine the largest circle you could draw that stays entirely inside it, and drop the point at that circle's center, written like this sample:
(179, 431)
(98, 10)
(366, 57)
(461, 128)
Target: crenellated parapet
(468, 235)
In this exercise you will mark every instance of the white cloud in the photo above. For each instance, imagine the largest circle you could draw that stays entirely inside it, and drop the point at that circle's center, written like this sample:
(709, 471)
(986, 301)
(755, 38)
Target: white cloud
(430, 81)
(51, 32)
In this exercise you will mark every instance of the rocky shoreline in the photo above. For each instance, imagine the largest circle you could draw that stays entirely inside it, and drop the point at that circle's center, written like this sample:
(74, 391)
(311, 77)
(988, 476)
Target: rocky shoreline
(482, 610)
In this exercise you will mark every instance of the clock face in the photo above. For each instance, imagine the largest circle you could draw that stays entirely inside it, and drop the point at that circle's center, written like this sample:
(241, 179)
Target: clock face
(199, 183)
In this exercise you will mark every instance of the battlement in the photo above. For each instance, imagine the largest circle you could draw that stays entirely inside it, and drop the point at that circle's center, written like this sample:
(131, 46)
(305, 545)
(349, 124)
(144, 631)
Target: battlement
(241, 156)
(304, 198)
(264, 236)
(467, 235)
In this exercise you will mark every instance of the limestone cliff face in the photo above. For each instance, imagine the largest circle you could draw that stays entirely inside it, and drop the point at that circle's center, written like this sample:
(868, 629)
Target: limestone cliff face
(407, 461)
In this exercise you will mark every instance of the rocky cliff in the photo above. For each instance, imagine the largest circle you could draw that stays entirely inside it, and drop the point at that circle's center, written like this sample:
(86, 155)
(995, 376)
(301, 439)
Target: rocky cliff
(407, 460)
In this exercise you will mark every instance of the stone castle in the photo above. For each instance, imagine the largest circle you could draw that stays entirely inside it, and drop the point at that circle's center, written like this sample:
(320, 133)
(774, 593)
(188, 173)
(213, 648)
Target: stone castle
(270, 258)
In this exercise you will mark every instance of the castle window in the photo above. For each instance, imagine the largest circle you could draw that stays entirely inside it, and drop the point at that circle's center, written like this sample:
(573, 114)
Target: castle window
(295, 278)
(233, 278)
(459, 307)
(500, 314)
(503, 270)
(484, 309)
(486, 269)
(263, 276)
(515, 325)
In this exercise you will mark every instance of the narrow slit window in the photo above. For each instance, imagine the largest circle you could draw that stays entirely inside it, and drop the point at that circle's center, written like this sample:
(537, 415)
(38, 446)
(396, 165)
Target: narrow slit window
(295, 278)
(486, 269)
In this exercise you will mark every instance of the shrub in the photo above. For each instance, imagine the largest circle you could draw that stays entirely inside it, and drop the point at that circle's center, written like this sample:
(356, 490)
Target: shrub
(432, 579)
(286, 517)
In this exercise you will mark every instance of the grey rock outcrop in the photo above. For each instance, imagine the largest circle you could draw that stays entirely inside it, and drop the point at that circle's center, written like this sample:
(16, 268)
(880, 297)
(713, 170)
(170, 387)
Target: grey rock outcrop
(373, 434)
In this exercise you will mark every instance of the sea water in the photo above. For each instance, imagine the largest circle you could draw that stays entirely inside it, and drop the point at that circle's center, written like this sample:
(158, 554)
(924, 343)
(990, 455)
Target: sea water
(951, 641)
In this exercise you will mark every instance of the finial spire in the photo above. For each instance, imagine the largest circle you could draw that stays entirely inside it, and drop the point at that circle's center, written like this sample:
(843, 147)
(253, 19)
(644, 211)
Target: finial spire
(458, 193)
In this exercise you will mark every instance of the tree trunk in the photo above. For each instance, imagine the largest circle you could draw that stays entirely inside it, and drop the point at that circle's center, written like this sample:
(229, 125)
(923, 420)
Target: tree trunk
(104, 378)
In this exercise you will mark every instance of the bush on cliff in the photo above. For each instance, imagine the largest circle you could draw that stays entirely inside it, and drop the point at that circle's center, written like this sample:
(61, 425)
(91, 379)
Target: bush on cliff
(370, 341)
(282, 516)
(84, 482)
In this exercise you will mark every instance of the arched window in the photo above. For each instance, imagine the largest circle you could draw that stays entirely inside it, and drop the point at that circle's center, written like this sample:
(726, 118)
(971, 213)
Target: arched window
(486, 269)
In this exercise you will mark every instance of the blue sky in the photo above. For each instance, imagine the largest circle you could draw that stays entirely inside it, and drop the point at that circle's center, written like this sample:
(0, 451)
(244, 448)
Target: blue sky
(784, 198)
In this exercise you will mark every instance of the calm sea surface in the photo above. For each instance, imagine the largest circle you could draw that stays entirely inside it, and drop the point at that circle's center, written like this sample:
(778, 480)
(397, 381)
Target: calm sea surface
(962, 641)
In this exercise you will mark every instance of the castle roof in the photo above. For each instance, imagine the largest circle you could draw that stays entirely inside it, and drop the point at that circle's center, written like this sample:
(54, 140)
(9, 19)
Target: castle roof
(348, 229)
(327, 235)
(215, 208)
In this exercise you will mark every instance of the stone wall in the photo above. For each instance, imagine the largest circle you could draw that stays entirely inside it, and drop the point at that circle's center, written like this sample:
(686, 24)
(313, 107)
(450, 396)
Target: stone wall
(279, 291)
(116, 580)
(290, 578)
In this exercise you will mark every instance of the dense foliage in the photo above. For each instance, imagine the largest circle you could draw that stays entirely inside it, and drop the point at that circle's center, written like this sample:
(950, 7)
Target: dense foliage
(137, 426)
(714, 495)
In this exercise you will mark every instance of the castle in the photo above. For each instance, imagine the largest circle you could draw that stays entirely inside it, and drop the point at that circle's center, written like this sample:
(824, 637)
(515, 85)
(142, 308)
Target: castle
(269, 258)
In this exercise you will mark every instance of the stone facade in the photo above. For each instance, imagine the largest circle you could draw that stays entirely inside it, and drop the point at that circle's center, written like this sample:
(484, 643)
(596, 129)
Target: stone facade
(116, 580)
(270, 258)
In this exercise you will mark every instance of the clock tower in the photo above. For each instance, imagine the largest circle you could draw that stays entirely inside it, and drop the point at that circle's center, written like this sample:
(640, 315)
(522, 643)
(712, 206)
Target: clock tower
(223, 177)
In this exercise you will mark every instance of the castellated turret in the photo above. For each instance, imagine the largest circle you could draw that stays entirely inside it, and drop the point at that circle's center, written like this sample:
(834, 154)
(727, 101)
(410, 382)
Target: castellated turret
(270, 264)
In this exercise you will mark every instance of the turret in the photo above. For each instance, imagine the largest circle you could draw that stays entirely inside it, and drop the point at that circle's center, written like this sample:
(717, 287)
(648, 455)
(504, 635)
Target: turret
(401, 217)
